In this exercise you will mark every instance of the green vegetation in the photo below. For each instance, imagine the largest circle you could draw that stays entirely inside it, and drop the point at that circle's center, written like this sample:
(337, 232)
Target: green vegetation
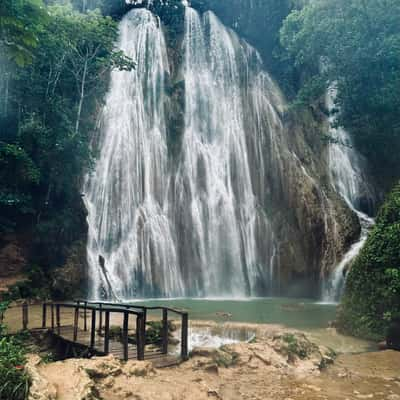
(154, 331)
(21, 22)
(297, 347)
(53, 76)
(225, 357)
(355, 44)
(14, 380)
(372, 296)
(35, 286)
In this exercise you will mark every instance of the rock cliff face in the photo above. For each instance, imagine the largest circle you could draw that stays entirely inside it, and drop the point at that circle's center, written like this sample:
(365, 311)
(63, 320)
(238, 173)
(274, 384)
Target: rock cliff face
(314, 225)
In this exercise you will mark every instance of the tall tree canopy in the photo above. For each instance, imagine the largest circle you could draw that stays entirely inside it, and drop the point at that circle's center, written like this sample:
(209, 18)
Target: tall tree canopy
(21, 22)
(355, 43)
(50, 100)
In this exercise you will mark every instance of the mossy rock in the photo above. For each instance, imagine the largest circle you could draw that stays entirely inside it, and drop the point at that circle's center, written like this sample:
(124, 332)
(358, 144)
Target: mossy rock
(297, 346)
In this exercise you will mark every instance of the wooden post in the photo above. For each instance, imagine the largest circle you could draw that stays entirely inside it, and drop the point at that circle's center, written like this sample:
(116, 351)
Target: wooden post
(100, 318)
(184, 336)
(44, 312)
(164, 347)
(141, 328)
(125, 334)
(144, 325)
(93, 329)
(76, 323)
(25, 316)
(107, 333)
(85, 316)
(52, 316)
(58, 318)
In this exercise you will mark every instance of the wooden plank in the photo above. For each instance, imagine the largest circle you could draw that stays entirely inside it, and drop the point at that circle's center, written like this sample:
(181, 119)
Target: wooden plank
(52, 316)
(93, 330)
(58, 322)
(140, 337)
(44, 312)
(76, 324)
(125, 334)
(85, 317)
(25, 316)
(184, 336)
(164, 333)
(100, 318)
(107, 333)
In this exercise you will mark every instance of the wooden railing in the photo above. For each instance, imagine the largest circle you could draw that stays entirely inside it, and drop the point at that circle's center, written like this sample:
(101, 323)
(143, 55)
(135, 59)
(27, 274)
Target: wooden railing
(104, 310)
(99, 314)
(144, 309)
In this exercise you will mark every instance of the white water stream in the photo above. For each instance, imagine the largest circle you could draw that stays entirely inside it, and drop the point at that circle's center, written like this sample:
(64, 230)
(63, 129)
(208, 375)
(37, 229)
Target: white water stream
(126, 196)
(349, 181)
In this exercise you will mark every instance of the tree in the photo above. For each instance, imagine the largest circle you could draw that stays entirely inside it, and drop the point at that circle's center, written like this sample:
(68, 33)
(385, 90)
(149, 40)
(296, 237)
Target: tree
(44, 141)
(89, 51)
(20, 24)
(356, 43)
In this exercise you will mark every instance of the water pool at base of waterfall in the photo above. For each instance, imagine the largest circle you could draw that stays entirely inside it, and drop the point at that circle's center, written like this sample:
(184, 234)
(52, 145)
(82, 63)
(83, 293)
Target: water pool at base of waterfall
(311, 317)
(292, 313)
(215, 322)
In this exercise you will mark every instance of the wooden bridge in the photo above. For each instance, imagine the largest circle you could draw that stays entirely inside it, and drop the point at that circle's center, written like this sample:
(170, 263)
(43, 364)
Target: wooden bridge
(100, 328)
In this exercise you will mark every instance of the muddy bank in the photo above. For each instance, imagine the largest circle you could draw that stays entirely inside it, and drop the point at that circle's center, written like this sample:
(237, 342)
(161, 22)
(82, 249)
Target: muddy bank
(278, 364)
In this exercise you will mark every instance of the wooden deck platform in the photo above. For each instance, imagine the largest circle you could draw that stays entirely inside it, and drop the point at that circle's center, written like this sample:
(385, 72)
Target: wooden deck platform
(85, 328)
(116, 348)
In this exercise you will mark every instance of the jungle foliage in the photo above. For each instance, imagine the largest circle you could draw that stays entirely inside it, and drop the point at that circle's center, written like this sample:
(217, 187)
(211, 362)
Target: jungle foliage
(354, 44)
(372, 295)
(53, 77)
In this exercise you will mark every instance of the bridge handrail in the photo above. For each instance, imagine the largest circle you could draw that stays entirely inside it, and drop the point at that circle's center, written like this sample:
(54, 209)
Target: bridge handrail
(130, 305)
(108, 308)
(92, 306)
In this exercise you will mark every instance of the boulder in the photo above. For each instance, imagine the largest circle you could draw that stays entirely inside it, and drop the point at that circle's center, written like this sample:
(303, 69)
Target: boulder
(40, 388)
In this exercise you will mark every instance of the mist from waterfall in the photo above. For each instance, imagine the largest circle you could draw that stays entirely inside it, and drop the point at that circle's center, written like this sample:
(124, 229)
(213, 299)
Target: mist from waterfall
(196, 225)
(350, 182)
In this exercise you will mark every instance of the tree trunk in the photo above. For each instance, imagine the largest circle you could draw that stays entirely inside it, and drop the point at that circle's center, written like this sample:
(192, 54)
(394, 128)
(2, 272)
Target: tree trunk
(82, 95)
(6, 94)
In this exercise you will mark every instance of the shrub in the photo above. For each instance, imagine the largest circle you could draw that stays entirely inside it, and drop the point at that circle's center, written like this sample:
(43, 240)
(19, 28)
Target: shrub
(14, 380)
(372, 296)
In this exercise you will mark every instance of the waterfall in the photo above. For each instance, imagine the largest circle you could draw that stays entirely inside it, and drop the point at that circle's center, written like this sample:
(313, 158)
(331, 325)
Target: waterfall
(126, 194)
(349, 181)
(196, 225)
(222, 222)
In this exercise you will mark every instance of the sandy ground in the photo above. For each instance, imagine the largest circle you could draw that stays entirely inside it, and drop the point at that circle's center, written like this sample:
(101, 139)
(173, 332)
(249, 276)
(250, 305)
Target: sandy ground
(261, 370)
(373, 375)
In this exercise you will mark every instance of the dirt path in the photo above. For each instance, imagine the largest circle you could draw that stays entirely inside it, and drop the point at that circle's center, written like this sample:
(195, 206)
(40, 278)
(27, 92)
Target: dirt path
(272, 368)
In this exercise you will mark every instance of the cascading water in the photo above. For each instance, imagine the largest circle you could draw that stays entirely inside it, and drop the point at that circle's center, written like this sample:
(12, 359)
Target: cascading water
(153, 226)
(351, 184)
(223, 221)
(126, 195)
